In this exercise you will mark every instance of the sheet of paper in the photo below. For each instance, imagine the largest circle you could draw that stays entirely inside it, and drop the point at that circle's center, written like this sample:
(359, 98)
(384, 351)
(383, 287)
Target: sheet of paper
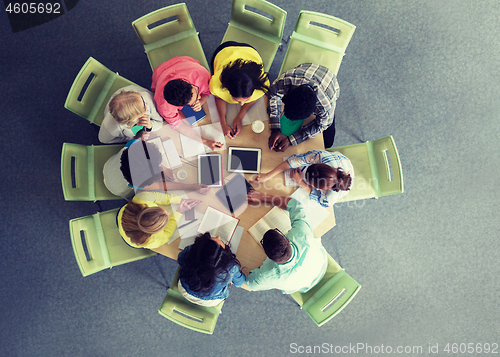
(258, 111)
(235, 241)
(315, 213)
(212, 109)
(191, 147)
(172, 154)
(213, 132)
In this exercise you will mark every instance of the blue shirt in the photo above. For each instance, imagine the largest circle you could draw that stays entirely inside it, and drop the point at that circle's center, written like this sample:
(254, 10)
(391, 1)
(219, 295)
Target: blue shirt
(221, 288)
(306, 267)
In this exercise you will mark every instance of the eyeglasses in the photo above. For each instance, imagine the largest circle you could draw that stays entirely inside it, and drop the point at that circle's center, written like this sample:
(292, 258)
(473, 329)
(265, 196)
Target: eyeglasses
(274, 229)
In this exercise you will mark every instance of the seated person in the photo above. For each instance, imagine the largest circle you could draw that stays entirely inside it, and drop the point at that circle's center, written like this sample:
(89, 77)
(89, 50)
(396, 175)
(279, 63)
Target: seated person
(304, 90)
(296, 261)
(128, 106)
(130, 170)
(143, 223)
(208, 267)
(179, 82)
(238, 77)
(326, 176)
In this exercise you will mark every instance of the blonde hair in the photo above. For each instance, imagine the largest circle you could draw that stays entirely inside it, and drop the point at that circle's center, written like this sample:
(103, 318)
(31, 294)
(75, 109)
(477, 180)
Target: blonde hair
(140, 221)
(126, 107)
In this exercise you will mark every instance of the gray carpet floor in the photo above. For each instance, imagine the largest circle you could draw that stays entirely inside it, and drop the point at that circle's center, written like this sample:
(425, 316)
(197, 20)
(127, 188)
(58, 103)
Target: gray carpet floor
(425, 71)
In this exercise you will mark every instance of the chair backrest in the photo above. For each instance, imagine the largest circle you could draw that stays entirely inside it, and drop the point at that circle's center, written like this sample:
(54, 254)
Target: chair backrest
(260, 17)
(389, 172)
(169, 32)
(318, 38)
(179, 310)
(97, 243)
(327, 298)
(377, 169)
(331, 298)
(82, 171)
(92, 89)
(259, 24)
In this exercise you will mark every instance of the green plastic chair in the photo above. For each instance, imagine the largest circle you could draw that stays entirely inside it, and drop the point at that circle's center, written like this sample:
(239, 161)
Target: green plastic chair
(318, 38)
(377, 169)
(329, 296)
(95, 96)
(263, 32)
(81, 171)
(169, 32)
(195, 317)
(97, 243)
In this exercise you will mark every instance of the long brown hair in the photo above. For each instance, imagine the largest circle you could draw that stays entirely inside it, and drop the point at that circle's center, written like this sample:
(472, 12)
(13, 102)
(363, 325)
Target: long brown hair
(323, 176)
(140, 221)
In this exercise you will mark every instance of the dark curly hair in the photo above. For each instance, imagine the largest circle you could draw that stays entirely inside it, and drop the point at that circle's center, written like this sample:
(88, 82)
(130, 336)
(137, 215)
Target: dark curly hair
(206, 264)
(178, 92)
(300, 102)
(141, 157)
(276, 246)
(323, 176)
(242, 77)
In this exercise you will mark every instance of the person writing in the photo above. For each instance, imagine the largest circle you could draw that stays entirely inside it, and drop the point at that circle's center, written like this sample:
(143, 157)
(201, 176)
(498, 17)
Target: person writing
(208, 267)
(144, 222)
(179, 82)
(238, 77)
(325, 176)
(296, 261)
(304, 90)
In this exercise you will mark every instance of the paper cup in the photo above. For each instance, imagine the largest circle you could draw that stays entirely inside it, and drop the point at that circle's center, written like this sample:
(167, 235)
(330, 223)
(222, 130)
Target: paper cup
(258, 126)
(181, 174)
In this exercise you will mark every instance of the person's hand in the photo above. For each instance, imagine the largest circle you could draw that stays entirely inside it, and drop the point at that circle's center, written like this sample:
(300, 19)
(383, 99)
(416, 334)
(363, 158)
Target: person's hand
(236, 126)
(262, 177)
(168, 174)
(212, 144)
(296, 175)
(228, 131)
(187, 204)
(145, 121)
(283, 144)
(255, 197)
(201, 188)
(142, 135)
(275, 139)
(196, 106)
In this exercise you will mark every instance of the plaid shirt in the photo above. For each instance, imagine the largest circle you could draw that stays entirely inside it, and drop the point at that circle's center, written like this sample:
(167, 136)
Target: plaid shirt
(322, 81)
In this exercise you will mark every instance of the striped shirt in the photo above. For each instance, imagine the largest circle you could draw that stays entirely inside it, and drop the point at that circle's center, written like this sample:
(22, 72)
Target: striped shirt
(336, 160)
(322, 81)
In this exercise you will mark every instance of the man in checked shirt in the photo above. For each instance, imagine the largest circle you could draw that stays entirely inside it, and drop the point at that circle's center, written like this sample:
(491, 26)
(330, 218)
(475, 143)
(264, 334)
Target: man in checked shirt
(304, 90)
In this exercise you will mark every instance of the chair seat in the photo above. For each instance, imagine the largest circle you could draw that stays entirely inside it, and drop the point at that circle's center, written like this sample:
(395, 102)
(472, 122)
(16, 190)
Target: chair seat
(299, 52)
(195, 317)
(364, 185)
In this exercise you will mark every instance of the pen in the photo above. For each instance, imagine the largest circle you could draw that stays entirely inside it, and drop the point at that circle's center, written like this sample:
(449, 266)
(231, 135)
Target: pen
(185, 224)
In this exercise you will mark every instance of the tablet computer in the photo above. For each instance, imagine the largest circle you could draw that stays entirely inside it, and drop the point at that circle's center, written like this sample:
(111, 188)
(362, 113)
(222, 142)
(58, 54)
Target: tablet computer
(245, 160)
(210, 170)
(234, 193)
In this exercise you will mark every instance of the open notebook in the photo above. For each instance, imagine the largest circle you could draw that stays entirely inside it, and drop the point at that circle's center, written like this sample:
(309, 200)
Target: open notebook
(218, 223)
